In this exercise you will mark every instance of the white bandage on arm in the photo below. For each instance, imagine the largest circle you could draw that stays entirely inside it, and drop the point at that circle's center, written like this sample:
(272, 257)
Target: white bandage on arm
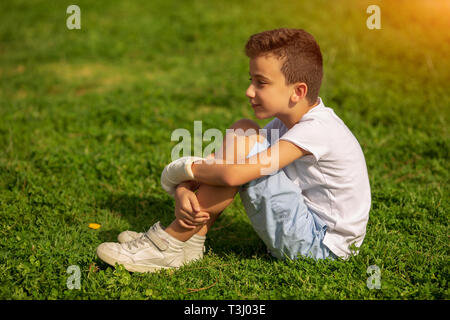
(176, 172)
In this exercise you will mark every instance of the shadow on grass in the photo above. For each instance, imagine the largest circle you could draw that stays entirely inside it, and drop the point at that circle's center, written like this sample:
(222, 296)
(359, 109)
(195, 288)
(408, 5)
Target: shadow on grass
(229, 235)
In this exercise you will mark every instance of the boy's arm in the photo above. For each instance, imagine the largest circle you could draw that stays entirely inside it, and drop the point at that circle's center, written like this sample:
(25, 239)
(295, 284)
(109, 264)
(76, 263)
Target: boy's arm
(193, 185)
(274, 158)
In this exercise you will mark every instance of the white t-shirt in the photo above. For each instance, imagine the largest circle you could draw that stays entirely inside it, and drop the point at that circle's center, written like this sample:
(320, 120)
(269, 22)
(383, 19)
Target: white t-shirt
(334, 179)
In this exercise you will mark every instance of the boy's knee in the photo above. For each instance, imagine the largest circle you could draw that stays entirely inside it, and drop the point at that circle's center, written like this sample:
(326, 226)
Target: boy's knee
(245, 125)
(244, 134)
(239, 140)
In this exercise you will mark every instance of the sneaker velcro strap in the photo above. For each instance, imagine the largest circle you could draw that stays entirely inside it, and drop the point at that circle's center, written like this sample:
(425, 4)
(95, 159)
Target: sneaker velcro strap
(160, 243)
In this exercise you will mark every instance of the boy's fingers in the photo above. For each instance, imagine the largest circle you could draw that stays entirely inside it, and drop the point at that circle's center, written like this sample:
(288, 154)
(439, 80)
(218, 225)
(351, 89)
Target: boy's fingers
(190, 222)
(182, 215)
(202, 214)
(185, 225)
(195, 220)
(201, 217)
(187, 216)
(201, 222)
(186, 206)
(194, 203)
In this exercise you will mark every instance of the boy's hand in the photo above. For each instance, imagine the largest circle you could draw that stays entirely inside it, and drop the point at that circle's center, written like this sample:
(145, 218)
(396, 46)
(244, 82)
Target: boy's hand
(187, 208)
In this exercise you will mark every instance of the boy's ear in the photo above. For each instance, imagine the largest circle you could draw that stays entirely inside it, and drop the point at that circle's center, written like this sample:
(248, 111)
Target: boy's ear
(300, 91)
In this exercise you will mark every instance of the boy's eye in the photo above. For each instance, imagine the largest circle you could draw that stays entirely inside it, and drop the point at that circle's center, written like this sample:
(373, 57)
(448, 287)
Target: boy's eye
(259, 82)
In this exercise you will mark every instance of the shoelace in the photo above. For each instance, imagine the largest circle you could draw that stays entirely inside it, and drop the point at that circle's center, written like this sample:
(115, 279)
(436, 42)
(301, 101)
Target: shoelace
(141, 241)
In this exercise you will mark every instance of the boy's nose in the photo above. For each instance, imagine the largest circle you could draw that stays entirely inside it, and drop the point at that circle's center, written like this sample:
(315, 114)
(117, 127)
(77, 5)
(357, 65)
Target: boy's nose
(250, 92)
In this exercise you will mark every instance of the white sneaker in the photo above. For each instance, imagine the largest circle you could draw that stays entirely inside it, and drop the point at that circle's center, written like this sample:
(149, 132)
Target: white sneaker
(151, 251)
(193, 248)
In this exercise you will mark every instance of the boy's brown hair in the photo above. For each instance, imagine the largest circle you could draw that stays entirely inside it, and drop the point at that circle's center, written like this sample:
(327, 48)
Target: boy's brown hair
(301, 54)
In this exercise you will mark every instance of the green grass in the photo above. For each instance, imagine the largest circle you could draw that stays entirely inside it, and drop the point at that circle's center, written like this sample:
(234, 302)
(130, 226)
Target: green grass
(86, 118)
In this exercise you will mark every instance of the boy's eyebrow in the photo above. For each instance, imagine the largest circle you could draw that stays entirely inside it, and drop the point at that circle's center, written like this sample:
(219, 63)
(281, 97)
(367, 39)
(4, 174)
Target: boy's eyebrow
(259, 75)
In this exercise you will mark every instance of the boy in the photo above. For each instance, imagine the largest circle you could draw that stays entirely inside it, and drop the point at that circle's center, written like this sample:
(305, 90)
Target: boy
(314, 199)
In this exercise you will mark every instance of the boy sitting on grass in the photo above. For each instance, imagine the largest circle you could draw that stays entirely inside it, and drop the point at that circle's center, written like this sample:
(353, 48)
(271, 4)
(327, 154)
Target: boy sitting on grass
(303, 182)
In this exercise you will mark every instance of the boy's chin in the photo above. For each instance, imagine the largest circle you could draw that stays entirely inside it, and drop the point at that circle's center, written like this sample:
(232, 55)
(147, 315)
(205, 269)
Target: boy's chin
(261, 116)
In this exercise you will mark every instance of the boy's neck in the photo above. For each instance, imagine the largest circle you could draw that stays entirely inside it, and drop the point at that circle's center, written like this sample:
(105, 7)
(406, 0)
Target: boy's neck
(296, 114)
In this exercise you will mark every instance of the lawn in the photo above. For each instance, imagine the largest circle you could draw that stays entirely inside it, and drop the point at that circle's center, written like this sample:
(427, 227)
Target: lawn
(86, 118)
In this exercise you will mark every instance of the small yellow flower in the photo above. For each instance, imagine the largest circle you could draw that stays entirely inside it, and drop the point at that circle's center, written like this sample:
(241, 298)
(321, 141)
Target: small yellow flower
(94, 225)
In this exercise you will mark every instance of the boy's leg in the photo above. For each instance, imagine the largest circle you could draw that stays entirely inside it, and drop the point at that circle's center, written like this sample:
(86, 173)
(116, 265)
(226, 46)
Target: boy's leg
(279, 215)
(161, 248)
(214, 199)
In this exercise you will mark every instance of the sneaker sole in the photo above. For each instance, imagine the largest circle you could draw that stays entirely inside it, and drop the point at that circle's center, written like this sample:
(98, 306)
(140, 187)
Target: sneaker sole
(122, 238)
(129, 266)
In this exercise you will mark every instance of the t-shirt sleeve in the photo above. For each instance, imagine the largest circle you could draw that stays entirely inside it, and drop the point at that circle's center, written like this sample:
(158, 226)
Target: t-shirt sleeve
(310, 135)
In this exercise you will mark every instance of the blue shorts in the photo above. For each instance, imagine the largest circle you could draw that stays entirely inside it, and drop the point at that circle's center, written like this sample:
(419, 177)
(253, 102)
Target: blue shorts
(279, 215)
